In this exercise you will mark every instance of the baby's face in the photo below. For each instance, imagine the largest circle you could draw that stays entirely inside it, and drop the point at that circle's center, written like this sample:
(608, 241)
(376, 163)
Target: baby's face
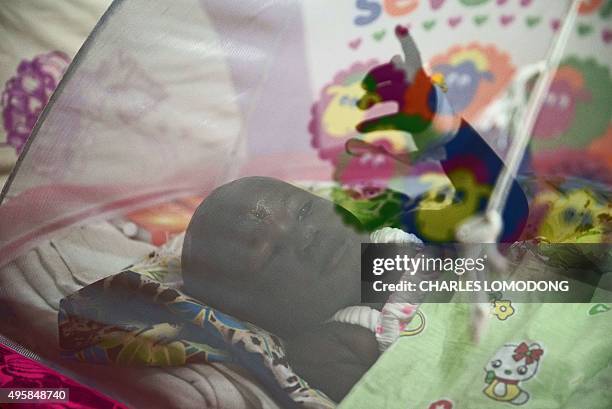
(273, 254)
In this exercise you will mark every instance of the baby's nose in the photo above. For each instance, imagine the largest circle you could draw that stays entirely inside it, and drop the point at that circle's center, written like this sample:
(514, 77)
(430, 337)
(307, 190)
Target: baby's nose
(508, 372)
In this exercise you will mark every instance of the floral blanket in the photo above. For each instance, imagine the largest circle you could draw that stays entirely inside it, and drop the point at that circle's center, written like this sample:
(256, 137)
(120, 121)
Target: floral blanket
(140, 317)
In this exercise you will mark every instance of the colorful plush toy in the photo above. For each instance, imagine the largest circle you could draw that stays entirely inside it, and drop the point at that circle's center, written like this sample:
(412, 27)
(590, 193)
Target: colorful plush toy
(439, 134)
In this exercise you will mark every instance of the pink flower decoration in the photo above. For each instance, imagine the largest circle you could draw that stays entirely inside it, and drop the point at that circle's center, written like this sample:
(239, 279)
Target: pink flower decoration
(26, 94)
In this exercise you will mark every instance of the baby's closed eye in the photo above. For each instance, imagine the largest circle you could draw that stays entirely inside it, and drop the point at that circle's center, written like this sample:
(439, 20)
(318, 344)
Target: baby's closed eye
(305, 210)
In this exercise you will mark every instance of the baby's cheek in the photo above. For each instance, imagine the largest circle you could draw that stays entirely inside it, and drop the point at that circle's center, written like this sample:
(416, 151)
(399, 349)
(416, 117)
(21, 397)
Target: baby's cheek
(260, 252)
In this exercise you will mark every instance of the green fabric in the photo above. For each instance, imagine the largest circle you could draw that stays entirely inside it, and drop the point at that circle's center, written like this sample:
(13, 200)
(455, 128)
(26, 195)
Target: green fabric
(441, 368)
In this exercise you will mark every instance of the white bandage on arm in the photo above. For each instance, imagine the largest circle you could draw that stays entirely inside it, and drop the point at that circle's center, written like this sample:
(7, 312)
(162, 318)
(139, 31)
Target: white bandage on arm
(389, 323)
(361, 315)
(397, 313)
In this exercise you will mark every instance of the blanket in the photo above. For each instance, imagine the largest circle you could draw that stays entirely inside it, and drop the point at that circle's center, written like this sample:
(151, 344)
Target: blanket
(140, 317)
(540, 356)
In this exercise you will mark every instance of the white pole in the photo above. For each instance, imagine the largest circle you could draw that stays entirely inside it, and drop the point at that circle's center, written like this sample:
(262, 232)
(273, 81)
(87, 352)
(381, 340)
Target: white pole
(526, 121)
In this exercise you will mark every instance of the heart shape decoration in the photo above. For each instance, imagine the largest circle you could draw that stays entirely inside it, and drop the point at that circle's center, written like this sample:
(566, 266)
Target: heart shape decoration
(379, 35)
(506, 19)
(354, 44)
(454, 21)
(480, 20)
(533, 21)
(429, 24)
(584, 29)
(555, 24)
(436, 4)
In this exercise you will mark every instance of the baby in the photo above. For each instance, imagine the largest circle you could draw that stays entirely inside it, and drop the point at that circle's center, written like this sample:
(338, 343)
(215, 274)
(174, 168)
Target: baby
(286, 260)
(286, 254)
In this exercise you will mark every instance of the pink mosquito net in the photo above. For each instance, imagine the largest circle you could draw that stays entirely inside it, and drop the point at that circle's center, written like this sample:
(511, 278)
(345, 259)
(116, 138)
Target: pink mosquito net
(167, 99)
(164, 99)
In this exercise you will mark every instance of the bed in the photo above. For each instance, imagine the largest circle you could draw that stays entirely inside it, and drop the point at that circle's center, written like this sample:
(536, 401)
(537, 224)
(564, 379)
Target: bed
(80, 256)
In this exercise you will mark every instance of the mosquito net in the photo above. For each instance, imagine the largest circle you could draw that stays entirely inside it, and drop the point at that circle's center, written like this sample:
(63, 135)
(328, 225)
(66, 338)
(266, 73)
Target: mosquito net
(167, 99)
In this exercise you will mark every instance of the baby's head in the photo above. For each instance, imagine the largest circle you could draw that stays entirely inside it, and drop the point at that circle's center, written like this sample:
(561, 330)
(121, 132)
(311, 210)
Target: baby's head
(272, 254)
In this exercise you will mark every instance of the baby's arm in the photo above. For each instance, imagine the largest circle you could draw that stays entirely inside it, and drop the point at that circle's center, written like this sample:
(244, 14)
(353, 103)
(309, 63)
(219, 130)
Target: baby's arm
(333, 357)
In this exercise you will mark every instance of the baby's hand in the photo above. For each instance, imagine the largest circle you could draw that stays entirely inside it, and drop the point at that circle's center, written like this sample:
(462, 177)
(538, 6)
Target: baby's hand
(333, 357)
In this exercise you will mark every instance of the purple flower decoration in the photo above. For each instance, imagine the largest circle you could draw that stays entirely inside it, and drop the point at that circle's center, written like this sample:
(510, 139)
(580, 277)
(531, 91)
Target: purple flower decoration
(26, 94)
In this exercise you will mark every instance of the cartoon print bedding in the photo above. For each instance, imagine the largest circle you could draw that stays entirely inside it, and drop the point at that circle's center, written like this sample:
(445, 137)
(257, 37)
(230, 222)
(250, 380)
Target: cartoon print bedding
(533, 355)
(540, 356)
(138, 317)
